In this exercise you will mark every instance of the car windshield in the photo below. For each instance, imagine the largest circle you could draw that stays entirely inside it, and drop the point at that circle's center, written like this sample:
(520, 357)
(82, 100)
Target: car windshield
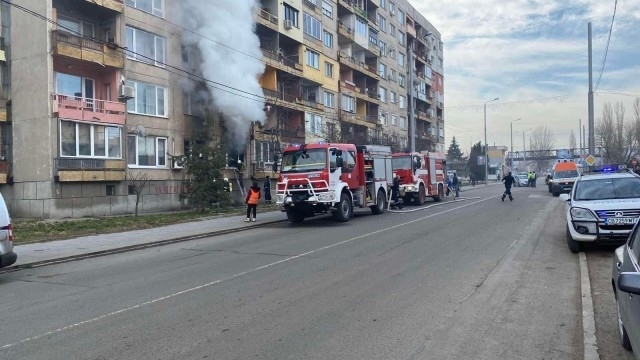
(565, 174)
(303, 161)
(620, 188)
(401, 163)
(522, 176)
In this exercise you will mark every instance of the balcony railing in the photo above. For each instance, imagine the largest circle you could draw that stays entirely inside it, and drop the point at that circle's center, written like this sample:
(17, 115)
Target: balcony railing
(268, 16)
(67, 44)
(278, 95)
(79, 41)
(79, 108)
(345, 28)
(78, 164)
(281, 59)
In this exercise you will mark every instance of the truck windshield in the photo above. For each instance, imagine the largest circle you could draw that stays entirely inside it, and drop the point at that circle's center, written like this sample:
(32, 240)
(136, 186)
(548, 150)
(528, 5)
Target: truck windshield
(400, 163)
(565, 174)
(303, 161)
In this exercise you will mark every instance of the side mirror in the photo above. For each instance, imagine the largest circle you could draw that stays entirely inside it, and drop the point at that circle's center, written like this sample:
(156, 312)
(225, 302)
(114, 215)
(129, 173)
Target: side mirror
(339, 162)
(629, 282)
(564, 197)
(338, 153)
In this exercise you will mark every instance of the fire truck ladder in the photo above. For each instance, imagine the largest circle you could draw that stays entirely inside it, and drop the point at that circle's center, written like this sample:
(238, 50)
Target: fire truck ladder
(238, 175)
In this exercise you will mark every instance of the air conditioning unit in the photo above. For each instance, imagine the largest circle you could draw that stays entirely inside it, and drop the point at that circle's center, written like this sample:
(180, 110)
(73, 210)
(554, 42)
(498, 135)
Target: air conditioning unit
(176, 165)
(126, 92)
(288, 24)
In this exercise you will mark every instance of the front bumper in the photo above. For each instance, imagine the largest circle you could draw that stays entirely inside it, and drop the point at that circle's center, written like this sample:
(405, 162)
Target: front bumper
(599, 232)
(561, 188)
(8, 259)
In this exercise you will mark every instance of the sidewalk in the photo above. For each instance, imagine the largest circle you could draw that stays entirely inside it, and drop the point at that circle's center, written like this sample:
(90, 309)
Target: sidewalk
(48, 251)
(87, 245)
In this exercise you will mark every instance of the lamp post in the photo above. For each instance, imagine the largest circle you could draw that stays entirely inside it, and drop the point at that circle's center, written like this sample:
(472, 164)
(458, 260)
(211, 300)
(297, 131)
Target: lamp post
(511, 152)
(486, 146)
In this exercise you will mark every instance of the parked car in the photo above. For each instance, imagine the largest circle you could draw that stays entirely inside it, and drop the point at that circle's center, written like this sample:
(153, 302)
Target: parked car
(603, 207)
(625, 278)
(7, 256)
(522, 180)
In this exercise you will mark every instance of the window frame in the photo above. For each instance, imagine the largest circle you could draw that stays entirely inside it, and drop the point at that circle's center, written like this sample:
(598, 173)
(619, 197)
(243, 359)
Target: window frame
(156, 142)
(316, 59)
(92, 137)
(165, 105)
(309, 22)
(327, 39)
(133, 54)
(327, 9)
(153, 8)
(329, 99)
(328, 69)
(291, 11)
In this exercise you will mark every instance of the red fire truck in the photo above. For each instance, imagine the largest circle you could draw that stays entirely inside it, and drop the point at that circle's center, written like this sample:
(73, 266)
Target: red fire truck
(421, 175)
(322, 177)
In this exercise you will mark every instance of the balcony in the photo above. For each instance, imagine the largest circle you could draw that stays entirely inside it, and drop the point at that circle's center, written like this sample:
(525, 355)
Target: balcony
(313, 5)
(77, 108)
(347, 60)
(280, 62)
(267, 19)
(4, 112)
(87, 49)
(346, 30)
(115, 5)
(78, 170)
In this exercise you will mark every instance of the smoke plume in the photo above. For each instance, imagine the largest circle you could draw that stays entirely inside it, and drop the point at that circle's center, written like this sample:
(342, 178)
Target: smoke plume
(231, 56)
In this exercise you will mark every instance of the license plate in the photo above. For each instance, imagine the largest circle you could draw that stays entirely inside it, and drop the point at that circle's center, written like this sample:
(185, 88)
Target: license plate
(621, 221)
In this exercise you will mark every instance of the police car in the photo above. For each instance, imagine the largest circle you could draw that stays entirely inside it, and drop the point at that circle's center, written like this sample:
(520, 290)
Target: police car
(603, 207)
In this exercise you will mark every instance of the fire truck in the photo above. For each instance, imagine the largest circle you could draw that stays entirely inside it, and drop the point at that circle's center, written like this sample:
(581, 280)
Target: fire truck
(336, 178)
(421, 175)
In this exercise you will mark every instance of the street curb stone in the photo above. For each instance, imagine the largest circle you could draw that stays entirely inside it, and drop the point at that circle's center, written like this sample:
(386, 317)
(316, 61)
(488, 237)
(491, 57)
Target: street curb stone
(588, 316)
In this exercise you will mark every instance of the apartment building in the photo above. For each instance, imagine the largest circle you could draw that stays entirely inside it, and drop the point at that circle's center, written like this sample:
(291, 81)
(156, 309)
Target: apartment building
(95, 96)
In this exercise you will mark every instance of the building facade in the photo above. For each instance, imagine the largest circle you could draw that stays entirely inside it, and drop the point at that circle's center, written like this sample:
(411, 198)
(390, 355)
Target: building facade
(96, 96)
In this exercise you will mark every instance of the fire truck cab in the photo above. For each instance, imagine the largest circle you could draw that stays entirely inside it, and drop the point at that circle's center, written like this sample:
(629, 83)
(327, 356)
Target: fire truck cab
(323, 177)
(421, 175)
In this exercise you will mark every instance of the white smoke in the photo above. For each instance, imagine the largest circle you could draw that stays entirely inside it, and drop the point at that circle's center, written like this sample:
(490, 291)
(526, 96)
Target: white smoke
(231, 56)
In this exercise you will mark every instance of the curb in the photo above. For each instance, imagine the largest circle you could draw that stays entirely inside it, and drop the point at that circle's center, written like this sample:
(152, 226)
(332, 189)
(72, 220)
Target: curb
(588, 316)
(123, 249)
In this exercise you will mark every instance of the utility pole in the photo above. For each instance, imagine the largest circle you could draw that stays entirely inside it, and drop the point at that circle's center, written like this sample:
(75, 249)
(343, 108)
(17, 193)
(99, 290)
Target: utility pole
(486, 146)
(412, 119)
(592, 138)
(580, 136)
(524, 151)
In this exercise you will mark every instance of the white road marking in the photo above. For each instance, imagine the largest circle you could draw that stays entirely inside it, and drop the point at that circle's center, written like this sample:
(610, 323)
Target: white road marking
(150, 302)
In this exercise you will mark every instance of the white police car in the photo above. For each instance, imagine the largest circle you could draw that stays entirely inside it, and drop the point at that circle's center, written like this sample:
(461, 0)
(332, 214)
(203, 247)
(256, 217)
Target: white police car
(603, 207)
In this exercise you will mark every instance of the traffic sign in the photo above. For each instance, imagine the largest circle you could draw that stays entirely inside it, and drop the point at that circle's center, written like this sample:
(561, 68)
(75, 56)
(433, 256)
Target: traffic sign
(590, 160)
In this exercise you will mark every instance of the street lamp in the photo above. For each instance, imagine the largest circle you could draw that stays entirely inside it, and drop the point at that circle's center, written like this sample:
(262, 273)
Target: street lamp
(511, 152)
(486, 145)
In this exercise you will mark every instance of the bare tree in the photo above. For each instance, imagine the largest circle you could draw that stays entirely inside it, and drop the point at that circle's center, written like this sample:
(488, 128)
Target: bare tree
(138, 181)
(619, 141)
(572, 141)
(542, 143)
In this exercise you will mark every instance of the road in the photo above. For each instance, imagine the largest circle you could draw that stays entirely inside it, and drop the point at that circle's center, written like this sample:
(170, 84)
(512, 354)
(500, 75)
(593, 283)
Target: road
(477, 279)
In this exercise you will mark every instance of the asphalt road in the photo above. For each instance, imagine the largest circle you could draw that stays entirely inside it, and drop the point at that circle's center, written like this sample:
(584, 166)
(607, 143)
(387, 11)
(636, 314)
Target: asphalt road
(475, 279)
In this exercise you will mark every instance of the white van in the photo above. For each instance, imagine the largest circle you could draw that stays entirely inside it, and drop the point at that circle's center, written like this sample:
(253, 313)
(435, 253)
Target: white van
(7, 256)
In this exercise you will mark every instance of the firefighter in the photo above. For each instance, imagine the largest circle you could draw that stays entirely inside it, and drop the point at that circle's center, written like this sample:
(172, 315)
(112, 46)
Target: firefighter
(267, 190)
(253, 196)
(395, 192)
(456, 184)
(508, 182)
(226, 186)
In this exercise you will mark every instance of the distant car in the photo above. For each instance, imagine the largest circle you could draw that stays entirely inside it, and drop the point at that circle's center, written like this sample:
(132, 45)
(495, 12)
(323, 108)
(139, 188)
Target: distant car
(564, 176)
(602, 208)
(522, 180)
(625, 278)
(7, 256)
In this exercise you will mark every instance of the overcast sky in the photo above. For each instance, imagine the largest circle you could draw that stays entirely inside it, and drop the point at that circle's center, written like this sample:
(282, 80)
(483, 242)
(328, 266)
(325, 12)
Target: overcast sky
(524, 50)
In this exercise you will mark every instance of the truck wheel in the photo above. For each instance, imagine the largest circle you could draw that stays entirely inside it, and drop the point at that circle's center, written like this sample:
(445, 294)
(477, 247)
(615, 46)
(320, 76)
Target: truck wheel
(574, 246)
(555, 193)
(421, 196)
(381, 203)
(407, 199)
(440, 194)
(343, 213)
(295, 216)
(549, 188)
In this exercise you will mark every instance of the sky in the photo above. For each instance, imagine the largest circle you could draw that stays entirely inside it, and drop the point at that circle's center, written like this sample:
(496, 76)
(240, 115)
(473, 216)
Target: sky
(533, 56)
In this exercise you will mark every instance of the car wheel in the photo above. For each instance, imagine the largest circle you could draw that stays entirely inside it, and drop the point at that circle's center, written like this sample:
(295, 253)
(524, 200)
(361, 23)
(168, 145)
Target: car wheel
(574, 246)
(624, 338)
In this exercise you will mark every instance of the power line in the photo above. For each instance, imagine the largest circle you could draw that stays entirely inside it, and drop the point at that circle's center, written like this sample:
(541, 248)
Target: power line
(606, 49)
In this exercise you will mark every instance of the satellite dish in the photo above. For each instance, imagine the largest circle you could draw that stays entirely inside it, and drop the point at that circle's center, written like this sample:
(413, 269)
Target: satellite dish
(141, 131)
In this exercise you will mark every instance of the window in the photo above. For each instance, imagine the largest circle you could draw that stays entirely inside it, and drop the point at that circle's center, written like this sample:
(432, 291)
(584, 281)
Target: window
(329, 99)
(401, 37)
(110, 190)
(291, 14)
(403, 123)
(361, 27)
(401, 59)
(382, 23)
(75, 86)
(382, 69)
(348, 103)
(393, 96)
(313, 59)
(393, 74)
(314, 123)
(401, 18)
(383, 4)
(401, 101)
(382, 94)
(77, 27)
(328, 69)
(383, 119)
(327, 39)
(154, 7)
(401, 80)
(145, 47)
(393, 30)
(327, 9)
(312, 26)
(392, 7)
(394, 120)
(373, 37)
(89, 140)
(383, 47)
(193, 103)
(150, 99)
(146, 151)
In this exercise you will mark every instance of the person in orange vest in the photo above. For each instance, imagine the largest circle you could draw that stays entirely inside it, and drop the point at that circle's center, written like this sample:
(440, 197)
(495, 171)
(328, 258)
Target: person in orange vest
(253, 196)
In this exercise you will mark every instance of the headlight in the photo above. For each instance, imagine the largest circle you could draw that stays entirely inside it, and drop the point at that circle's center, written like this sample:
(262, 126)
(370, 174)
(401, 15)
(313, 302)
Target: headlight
(326, 197)
(581, 214)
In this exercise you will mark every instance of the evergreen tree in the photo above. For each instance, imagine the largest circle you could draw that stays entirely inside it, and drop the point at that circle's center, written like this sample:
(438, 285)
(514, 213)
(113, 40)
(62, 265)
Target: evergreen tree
(454, 152)
(204, 164)
(478, 169)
